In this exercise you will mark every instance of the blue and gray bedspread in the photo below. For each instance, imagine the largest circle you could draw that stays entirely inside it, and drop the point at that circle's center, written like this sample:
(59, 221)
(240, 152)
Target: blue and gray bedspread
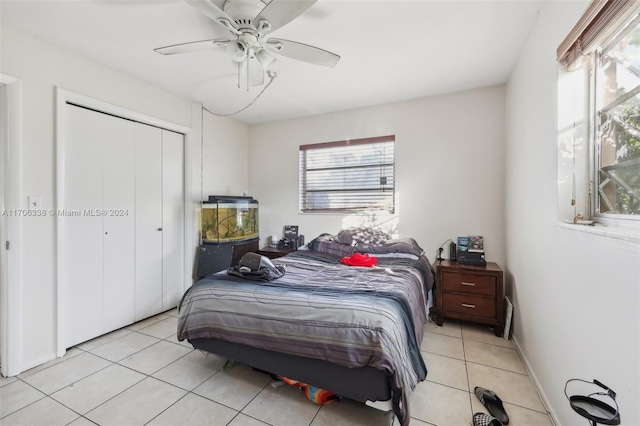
(320, 308)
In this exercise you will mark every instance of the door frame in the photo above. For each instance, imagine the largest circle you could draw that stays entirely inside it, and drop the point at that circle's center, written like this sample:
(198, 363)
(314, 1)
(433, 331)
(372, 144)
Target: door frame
(11, 230)
(64, 97)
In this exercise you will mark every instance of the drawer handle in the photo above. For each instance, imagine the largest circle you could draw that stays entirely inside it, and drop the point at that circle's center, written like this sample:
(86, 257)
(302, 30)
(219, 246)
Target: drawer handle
(466, 305)
(468, 284)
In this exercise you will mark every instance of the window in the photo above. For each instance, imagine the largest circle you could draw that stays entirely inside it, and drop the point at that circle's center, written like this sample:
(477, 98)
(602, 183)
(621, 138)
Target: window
(617, 127)
(351, 175)
(599, 116)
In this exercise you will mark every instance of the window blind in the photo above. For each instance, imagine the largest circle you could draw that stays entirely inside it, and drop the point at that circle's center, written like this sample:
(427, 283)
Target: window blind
(350, 175)
(598, 22)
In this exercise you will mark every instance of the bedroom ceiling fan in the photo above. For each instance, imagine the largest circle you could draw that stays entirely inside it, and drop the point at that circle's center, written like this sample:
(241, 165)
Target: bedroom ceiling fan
(249, 21)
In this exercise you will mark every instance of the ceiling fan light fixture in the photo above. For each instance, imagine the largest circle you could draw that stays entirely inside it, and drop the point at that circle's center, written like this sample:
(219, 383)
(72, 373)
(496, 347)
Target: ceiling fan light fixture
(265, 58)
(238, 50)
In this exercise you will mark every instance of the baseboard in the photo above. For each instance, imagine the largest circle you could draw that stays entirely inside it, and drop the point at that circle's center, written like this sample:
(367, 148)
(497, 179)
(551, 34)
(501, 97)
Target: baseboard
(536, 383)
(40, 361)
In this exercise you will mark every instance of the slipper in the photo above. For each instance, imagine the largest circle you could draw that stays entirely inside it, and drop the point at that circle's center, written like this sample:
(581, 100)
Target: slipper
(490, 400)
(482, 419)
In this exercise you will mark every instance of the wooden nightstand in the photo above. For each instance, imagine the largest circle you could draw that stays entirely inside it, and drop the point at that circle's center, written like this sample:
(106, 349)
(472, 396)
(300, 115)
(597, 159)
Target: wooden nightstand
(470, 293)
(273, 253)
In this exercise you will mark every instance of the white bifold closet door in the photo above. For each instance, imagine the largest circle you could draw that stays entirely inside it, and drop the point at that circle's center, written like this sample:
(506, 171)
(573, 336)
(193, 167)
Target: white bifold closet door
(159, 218)
(100, 249)
(172, 218)
(148, 300)
(126, 262)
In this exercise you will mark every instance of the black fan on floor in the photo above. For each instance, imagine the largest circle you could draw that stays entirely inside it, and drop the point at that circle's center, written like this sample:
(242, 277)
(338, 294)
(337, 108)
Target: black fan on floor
(591, 406)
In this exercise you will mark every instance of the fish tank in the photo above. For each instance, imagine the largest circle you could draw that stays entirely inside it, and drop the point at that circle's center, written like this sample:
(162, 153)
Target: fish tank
(229, 219)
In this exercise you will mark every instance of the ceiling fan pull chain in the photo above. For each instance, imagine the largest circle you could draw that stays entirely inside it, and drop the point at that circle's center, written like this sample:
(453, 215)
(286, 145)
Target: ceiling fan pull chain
(271, 74)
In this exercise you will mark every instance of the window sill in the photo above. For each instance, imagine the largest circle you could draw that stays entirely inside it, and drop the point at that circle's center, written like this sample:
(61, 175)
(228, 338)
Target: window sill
(620, 233)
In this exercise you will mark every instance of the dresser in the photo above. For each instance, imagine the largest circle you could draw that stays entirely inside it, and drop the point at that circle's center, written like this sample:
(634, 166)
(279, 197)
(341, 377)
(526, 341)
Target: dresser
(470, 293)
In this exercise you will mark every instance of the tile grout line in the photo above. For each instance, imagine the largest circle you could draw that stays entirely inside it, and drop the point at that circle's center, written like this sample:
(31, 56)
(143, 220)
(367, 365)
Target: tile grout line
(237, 412)
(109, 399)
(58, 361)
(166, 408)
(31, 403)
(498, 368)
(472, 393)
(161, 368)
(466, 369)
(250, 401)
(49, 395)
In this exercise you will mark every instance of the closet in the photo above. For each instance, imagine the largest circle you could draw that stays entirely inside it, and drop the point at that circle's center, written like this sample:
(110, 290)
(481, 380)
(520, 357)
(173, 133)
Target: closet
(123, 221)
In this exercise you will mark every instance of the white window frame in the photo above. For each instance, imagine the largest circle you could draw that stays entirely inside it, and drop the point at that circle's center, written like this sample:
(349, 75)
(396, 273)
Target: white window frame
(578, 160)
(302, 187)
(612, 219)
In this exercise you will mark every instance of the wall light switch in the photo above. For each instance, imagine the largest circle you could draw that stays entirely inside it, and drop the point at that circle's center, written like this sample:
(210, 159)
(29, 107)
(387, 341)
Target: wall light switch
(34, 202)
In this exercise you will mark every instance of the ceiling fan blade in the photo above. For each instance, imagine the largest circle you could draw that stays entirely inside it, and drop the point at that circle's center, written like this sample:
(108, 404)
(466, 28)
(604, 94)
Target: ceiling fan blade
(193, 46)
(303, 52)
(280, 12)
(213, 12)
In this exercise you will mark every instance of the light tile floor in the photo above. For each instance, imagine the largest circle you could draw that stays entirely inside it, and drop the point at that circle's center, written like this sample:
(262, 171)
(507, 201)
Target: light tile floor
(141, 375)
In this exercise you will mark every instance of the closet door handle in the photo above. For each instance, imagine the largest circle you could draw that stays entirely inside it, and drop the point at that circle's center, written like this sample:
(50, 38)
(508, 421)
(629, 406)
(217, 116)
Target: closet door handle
(159, 229)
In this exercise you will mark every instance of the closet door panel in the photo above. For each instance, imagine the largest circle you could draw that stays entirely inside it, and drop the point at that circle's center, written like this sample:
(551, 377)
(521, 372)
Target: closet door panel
(118, 218)
(172, 218)
(83, 233)
(148, 221)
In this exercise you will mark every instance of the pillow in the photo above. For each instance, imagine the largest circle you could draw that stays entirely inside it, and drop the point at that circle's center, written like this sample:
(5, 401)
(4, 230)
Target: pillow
(362, 236)
(395, 255)
(328, 243)
(404, 245)
(331, 247)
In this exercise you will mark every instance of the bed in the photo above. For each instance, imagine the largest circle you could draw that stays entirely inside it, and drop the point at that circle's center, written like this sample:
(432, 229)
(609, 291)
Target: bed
(352, 330)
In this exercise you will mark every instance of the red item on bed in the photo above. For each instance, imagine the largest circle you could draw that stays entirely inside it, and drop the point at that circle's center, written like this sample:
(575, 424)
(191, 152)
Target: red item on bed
(358, 259)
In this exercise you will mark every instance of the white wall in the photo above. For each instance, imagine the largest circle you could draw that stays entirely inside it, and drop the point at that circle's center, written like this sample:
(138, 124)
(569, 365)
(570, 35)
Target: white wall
(41, 68)
(576, 295)
(449, 167)
(225, 152)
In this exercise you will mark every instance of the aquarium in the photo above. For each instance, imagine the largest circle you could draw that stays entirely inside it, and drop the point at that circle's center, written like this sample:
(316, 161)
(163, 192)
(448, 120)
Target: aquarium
(229, 219)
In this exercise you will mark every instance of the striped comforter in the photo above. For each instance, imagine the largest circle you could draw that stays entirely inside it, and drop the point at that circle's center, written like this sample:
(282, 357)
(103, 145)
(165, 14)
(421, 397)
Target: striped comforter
(352, 316)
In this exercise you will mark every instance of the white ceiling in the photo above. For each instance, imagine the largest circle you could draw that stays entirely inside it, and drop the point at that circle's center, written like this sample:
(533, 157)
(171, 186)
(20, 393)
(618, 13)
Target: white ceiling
(391, 50)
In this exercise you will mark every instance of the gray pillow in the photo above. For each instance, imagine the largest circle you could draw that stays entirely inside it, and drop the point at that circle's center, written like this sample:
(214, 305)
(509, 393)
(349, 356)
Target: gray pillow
(362, 236)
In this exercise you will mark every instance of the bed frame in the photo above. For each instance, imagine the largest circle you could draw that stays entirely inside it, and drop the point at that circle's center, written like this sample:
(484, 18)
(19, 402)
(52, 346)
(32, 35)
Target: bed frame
(364, 384)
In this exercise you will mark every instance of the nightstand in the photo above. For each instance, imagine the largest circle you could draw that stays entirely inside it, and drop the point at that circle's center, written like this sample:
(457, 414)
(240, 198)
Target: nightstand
(470, 293)
(273, 253)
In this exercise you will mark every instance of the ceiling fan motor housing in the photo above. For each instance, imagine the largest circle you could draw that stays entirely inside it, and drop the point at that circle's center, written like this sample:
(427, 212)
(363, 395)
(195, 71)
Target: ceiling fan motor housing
(243, 11)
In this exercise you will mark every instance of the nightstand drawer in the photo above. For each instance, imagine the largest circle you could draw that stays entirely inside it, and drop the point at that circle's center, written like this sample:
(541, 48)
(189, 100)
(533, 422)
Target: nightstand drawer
(468, 283)
(471, 305)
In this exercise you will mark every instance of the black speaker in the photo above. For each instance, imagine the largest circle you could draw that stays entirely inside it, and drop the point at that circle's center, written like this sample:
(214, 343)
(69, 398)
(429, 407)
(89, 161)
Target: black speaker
(452, 251)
